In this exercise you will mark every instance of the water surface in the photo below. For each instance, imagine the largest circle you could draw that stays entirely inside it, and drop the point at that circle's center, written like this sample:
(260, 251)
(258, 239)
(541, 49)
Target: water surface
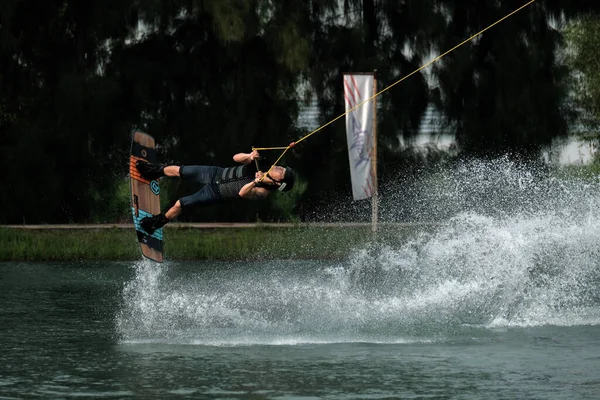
(271, 330)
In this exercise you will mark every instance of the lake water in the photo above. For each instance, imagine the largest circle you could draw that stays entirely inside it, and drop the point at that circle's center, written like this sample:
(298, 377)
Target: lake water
(501, 302)
(291, 330)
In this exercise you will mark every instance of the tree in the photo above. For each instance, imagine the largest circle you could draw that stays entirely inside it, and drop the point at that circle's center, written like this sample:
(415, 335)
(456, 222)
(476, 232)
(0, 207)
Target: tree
(59, 127)
(583, 52)
(504, 91)
(212, 77)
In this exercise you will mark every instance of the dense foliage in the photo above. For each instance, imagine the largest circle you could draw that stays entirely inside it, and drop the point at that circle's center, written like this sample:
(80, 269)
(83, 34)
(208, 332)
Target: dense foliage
(583, 50)
(209, 78)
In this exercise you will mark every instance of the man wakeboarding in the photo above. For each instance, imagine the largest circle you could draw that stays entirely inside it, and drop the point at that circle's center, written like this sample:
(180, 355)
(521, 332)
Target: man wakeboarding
(239, 182)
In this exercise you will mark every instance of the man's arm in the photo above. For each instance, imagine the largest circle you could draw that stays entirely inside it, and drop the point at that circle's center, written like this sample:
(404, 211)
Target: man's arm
(246, 158)
(252, 192)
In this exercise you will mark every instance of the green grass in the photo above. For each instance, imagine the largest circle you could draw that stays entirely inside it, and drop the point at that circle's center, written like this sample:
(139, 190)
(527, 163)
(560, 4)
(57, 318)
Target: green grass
(192, 243)
(66, 245)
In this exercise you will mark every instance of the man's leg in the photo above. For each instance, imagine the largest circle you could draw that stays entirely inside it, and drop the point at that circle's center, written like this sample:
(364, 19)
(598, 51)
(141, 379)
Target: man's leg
(205, 196)
(172, 171)
(197, 173)
(150, 224)
(174, 211)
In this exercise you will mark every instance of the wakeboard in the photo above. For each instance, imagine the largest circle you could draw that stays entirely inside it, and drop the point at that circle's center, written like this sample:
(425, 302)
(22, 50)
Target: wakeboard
(145, 195)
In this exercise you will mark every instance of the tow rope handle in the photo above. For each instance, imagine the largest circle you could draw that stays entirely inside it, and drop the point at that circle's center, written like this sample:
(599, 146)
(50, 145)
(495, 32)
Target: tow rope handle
(285, 149)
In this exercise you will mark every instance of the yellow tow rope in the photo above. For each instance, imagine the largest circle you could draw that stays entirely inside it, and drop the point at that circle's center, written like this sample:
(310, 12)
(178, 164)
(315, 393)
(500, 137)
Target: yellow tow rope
(286, 148)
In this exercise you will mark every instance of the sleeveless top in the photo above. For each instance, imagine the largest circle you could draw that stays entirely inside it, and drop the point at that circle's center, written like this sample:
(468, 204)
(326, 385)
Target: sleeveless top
(231, 180)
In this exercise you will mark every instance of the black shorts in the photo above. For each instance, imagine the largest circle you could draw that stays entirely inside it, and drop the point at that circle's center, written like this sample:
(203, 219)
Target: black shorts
(203, 174)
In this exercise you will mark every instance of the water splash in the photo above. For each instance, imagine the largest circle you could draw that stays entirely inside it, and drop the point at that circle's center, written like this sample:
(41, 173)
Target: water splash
(517, 248)
(484, 271)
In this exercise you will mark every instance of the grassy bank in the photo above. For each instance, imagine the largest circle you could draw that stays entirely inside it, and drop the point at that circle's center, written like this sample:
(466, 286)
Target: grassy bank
(192, 243)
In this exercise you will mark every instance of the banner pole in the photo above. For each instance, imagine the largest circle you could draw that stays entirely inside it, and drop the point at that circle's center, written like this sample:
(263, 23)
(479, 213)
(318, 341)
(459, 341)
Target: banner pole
(375, 196)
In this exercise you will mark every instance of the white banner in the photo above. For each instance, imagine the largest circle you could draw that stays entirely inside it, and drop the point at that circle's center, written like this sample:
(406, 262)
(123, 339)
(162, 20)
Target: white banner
(359, 133)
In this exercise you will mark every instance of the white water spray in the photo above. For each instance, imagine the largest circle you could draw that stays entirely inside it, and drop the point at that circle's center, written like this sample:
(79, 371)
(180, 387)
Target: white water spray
(515, 249)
